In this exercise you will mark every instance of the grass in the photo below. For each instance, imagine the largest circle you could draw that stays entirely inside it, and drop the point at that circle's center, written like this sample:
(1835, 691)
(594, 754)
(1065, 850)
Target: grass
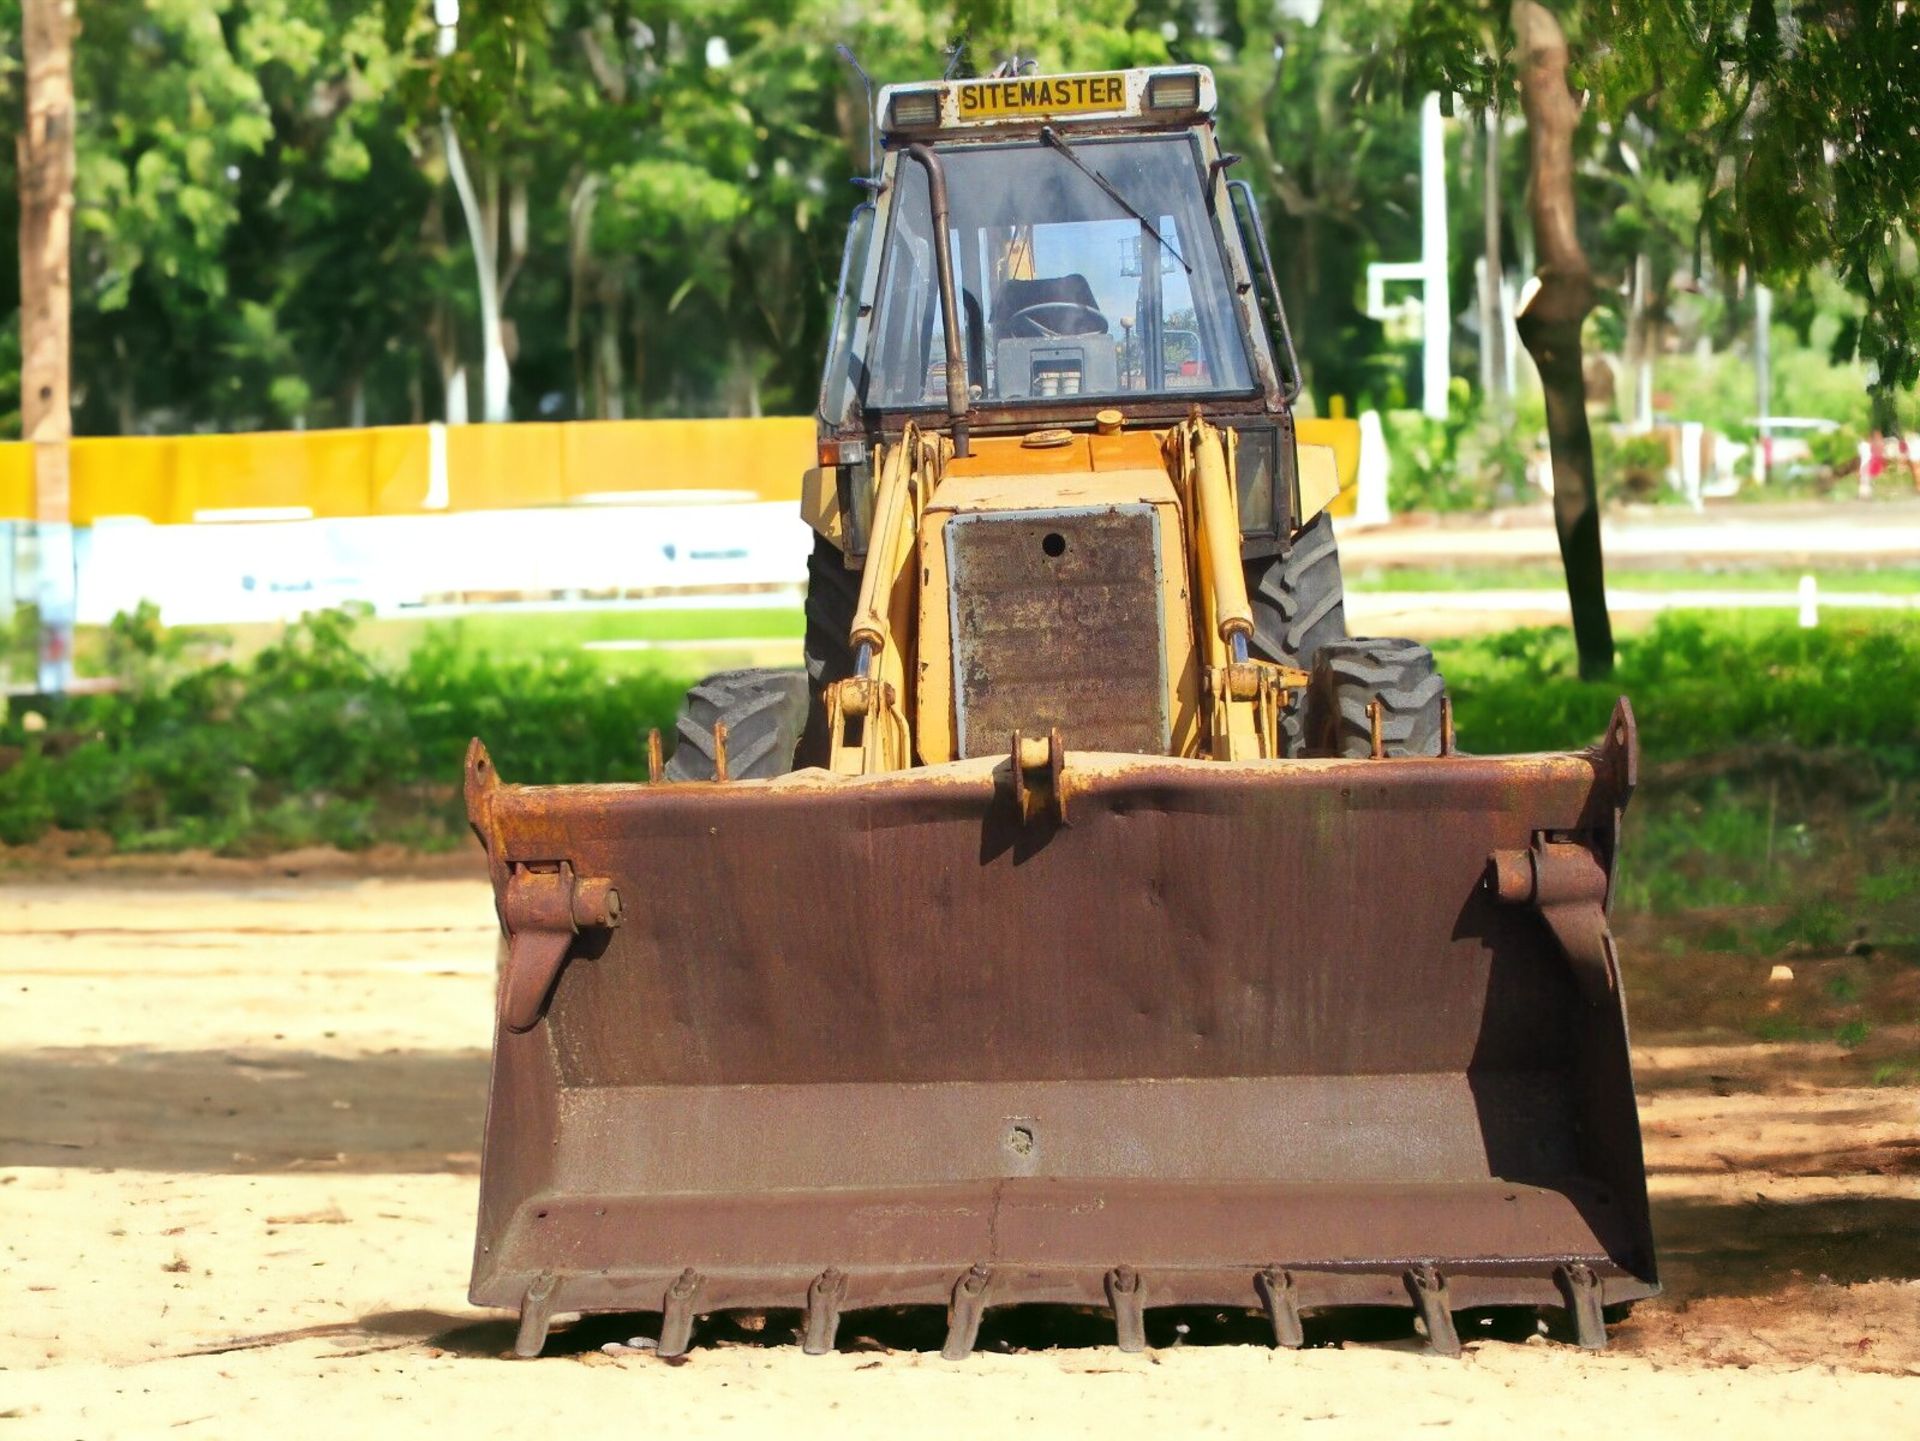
(508, 633)
(562, 631)
(1701, 684)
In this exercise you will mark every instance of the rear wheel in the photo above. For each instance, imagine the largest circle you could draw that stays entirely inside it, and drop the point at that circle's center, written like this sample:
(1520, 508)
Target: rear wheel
(1350, 674)
(833, 594)
(1299, 605)
(1298, 600)
(764, 712)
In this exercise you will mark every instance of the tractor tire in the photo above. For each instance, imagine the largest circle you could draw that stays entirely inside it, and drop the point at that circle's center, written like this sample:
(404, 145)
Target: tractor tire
(1348, 674)
(1298, 599)
(764, 712)
(1299, 604)
(833, 595)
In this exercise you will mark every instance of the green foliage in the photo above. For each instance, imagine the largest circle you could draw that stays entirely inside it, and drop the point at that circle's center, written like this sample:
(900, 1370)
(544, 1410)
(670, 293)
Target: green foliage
(10, 377)
(266, 233)
(1852, 1035)
(1701, 684)
(1834, 450)
(1789, 112)
(315, 740)
(1886, 887)
(1469, 461)
(1631, 467)
(312, 742)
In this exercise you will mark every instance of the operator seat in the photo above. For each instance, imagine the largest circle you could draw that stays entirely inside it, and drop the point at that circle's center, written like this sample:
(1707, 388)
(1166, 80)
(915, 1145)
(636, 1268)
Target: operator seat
(1050, 338)
(1042, 309)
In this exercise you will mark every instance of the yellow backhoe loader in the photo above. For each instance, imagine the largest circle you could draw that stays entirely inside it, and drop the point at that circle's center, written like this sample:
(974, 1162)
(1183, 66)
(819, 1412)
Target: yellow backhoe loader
(1094, 922)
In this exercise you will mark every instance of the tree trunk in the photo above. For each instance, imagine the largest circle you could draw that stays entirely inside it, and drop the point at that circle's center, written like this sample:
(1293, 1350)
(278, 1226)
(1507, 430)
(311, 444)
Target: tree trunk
(610, 385)
(1493, 333)
(1549, 324)
(483, 231)
(45, 156)
(582, 198)
(442, 335)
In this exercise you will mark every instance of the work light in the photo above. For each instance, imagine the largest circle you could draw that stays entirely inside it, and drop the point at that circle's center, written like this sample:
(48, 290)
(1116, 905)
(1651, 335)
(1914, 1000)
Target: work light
(914, 110)
(1180, 91)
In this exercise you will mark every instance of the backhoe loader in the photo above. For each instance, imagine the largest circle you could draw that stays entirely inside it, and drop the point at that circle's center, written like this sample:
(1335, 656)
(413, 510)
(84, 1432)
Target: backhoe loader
(1094, 922)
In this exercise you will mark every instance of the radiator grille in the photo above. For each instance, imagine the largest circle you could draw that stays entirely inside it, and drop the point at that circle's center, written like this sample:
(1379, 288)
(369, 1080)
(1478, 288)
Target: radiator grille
(1057, 622)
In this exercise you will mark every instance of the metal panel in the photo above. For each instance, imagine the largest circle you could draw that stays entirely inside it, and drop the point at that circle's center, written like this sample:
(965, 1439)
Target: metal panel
(1058, 620)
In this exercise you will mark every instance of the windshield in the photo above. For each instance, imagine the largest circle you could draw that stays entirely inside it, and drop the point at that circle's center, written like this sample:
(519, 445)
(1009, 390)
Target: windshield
(1062, 291)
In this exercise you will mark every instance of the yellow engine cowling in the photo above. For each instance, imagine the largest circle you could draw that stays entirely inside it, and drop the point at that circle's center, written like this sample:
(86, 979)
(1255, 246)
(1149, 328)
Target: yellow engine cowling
(1088, 584)
(1074, 603)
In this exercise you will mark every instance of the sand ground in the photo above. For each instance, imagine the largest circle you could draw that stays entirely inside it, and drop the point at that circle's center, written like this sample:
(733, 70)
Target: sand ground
(239, 1125)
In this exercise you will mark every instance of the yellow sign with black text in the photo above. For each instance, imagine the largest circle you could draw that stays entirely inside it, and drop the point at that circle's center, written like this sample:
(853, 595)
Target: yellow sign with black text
(1041, 95)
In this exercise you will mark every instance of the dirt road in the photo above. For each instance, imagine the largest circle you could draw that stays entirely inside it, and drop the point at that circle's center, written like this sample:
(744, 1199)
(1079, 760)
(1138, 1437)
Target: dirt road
(239, 1121)
(1787, 533)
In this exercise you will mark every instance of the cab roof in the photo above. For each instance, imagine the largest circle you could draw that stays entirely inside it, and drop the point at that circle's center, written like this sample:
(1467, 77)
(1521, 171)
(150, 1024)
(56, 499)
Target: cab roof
(1159, 97)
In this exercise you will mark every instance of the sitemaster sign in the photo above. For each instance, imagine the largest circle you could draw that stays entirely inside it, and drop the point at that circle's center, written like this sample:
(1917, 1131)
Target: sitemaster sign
(1047, 95)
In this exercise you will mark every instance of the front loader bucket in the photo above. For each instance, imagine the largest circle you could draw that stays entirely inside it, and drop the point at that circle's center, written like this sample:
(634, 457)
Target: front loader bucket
(1283, 1035)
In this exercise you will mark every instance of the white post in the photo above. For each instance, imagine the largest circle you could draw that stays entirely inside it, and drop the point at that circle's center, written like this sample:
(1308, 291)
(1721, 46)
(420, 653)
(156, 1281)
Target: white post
(1763, 380)
(1436, 309)
(1370, 502)
(1642, 344)
(1692, 438)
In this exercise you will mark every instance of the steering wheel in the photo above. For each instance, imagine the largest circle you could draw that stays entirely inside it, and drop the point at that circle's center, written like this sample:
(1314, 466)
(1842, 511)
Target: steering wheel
(1073, 308)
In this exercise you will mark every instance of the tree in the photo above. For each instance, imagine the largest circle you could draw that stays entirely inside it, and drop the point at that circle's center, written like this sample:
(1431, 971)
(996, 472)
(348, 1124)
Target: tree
(1489, 55)
(1801, 120)
(1549, 317)
(1335, 167)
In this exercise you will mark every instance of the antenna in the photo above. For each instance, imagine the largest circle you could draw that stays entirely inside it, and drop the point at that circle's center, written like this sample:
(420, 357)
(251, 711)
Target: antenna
(873, 121)
(954, 54)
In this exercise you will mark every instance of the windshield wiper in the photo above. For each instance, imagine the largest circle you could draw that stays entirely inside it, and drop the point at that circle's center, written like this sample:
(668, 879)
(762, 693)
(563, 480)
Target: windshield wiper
(1049, 136)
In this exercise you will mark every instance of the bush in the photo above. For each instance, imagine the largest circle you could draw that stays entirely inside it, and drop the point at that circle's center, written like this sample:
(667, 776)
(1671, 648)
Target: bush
(313, 742)
(1638, 469)
(1468, 461)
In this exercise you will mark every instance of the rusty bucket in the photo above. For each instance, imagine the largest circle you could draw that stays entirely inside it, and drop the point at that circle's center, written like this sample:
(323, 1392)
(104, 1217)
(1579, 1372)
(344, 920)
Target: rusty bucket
(1276, 1035)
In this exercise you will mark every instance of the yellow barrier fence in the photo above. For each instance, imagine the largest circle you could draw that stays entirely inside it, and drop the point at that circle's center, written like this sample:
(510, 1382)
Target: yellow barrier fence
(420, 469)
(409, 470)
(1343, 436)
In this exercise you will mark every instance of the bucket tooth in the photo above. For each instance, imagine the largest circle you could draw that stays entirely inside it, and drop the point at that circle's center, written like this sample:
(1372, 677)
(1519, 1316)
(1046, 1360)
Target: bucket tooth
(963, 1317)
(826, 1294)
(1129, 1308)
(536, 1314)
(1282, 1306)
(1429, 1290)
(676, 1314)
(1582, 1290)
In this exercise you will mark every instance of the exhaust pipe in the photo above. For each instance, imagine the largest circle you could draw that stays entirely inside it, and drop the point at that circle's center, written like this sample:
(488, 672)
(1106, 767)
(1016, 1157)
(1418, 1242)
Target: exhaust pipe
(957, 403)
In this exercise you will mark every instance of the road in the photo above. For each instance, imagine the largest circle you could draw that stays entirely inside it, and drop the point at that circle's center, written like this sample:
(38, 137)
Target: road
(237, 1187)
(1786, 533)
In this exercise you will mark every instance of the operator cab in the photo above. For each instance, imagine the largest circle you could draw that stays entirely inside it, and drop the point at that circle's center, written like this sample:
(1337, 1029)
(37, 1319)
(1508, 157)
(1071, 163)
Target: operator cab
(1062, 291)
(1100, 258)
(1093, 240)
